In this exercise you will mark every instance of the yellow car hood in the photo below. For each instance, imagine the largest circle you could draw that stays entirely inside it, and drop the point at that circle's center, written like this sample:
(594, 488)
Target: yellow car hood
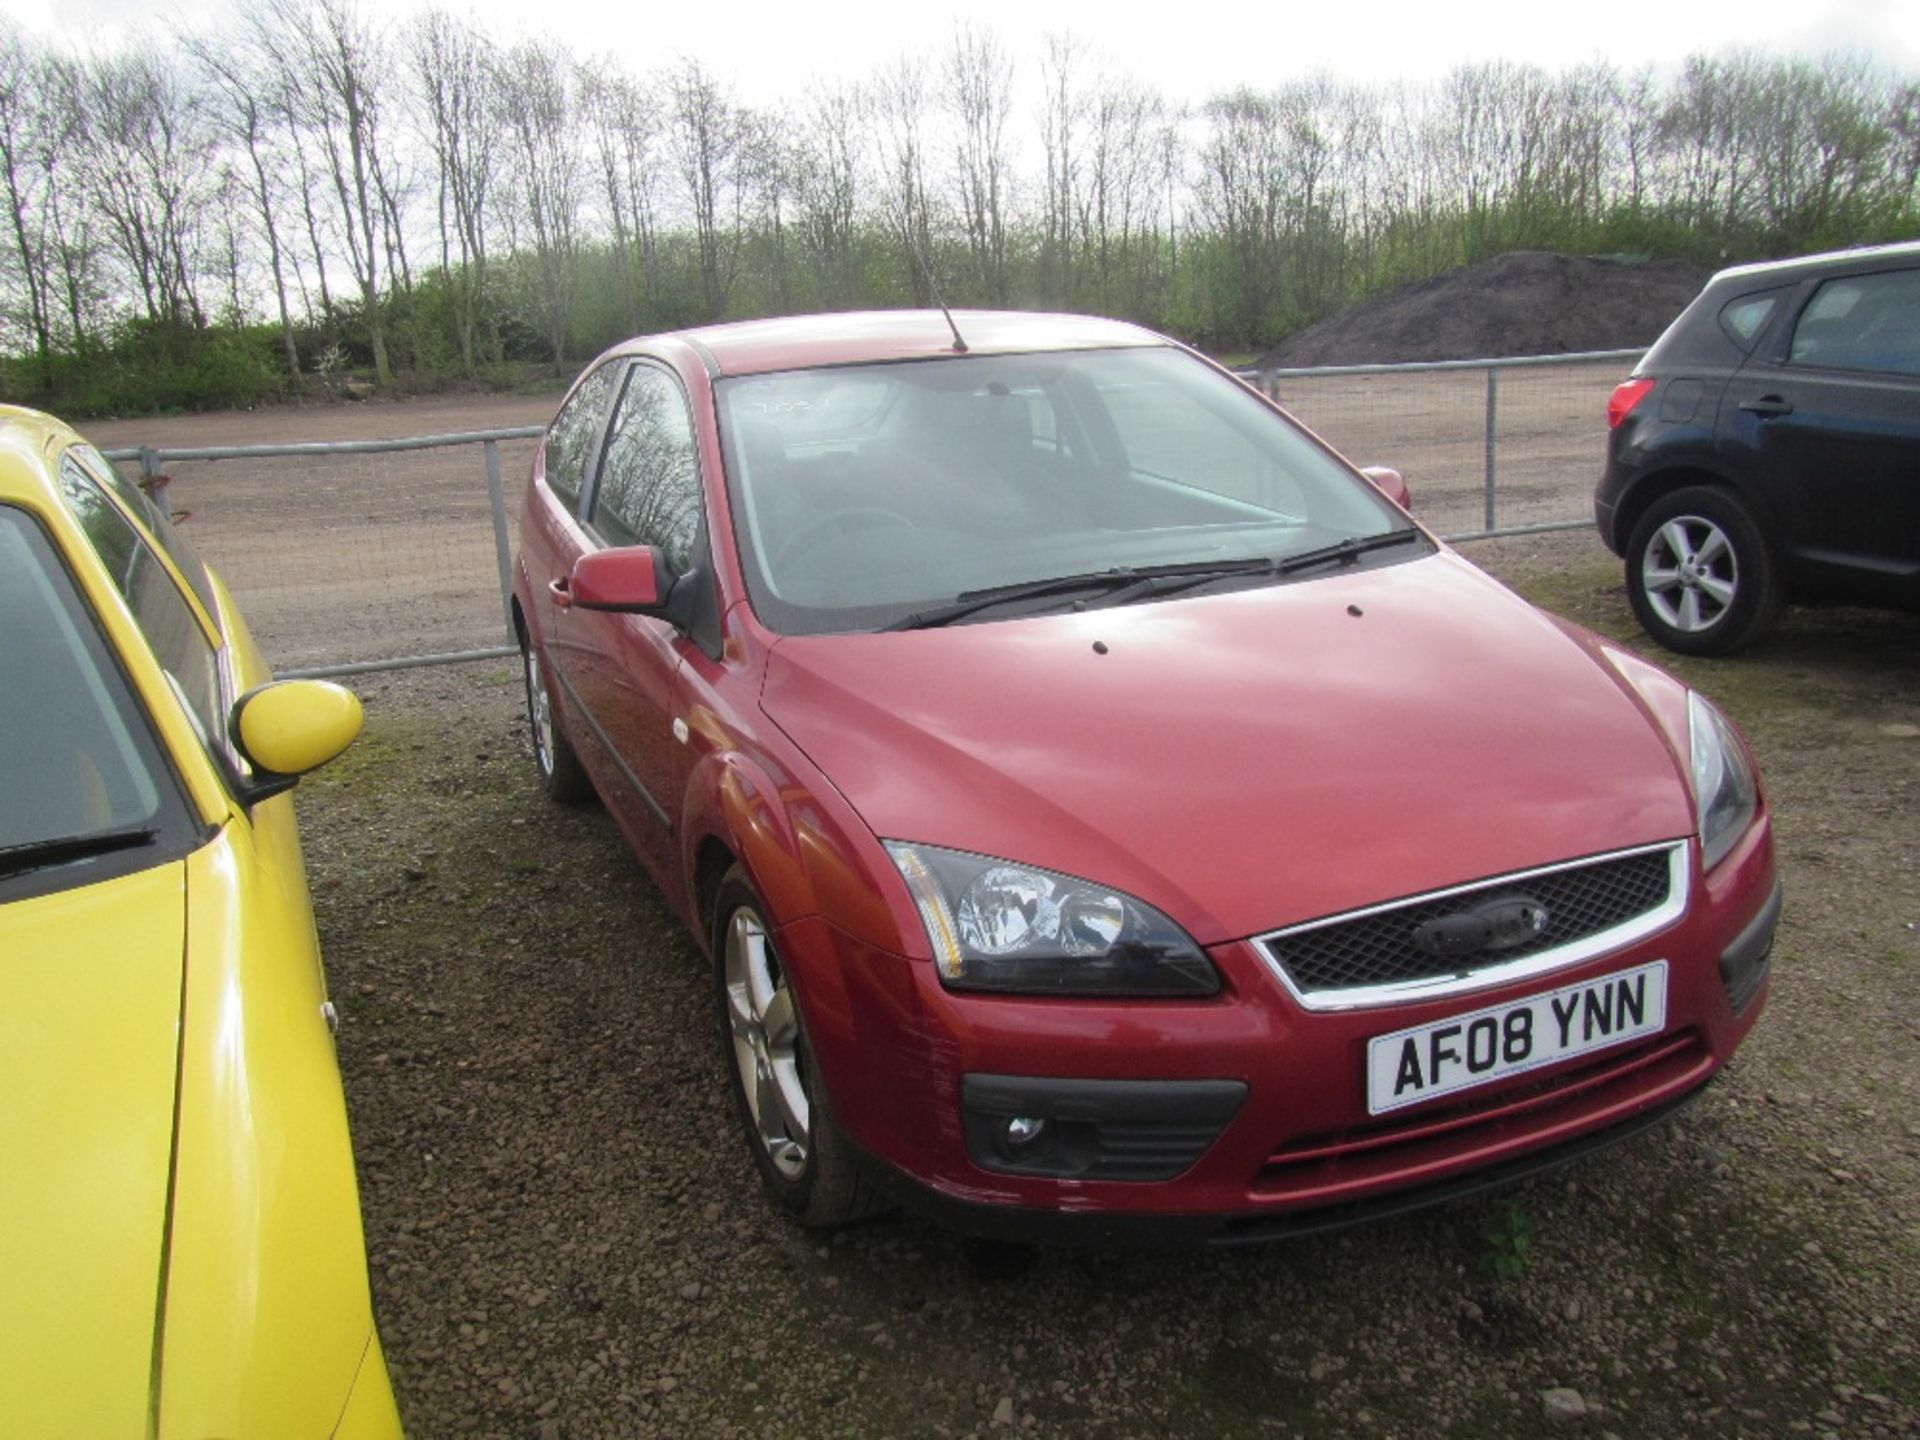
(90, 986)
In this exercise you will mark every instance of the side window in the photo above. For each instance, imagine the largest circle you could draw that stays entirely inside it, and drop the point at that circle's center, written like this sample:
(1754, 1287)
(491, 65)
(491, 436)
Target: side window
(159, 525)
(571, 437)
(1745, 316)
(173, 631)
(649, 479)
(1862, 322)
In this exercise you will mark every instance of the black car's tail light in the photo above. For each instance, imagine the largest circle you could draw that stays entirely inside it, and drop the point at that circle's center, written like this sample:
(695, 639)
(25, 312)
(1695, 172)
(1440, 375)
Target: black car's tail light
(1626, 395)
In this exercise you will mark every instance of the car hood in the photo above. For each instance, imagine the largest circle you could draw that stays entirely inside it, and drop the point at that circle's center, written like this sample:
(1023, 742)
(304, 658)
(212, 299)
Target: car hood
(89, 1036)
(1248, 760)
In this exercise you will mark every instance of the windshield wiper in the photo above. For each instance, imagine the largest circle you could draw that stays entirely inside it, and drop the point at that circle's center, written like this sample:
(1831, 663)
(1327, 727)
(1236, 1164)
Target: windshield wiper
(1121, 580)
(1342, 551)
(1125, 584)
(38, 854)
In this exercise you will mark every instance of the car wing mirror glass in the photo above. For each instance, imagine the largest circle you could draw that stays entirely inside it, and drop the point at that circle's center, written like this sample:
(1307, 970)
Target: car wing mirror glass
(1389, 483)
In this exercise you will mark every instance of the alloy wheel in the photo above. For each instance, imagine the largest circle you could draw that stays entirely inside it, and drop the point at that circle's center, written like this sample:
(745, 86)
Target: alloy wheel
(766, 1043)
(539, 711)
(1690, 573)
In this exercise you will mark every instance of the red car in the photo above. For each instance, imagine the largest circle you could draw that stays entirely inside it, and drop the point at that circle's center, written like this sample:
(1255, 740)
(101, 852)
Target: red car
(1109, 814)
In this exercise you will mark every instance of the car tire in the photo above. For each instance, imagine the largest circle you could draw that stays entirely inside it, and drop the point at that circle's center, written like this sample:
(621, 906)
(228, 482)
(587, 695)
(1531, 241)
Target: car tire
(561, 775)
(807, 1165)
(1700, 575)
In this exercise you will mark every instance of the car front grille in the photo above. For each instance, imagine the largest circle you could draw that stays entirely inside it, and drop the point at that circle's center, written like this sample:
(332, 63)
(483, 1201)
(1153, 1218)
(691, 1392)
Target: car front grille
(1376, 956)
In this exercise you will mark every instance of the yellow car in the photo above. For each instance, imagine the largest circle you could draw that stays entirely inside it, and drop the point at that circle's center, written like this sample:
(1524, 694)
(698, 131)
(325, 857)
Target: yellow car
(180, 1243)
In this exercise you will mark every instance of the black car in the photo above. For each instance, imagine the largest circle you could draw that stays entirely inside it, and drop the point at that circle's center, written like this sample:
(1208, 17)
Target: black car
(1767, 448)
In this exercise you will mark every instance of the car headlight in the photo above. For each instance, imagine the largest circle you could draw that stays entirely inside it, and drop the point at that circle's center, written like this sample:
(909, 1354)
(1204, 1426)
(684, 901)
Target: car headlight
(997, 925)
(1724, 792)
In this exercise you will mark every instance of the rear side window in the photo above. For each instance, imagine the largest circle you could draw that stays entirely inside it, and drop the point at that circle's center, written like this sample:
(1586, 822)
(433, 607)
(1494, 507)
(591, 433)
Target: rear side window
(1745, 316)
(649, 491)
(1862, 322)
(575, 431)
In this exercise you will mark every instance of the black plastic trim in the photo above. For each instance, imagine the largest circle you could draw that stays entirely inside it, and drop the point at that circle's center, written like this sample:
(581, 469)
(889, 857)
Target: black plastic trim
(1743, 964)
(1095, 1229)
(1139, 1130)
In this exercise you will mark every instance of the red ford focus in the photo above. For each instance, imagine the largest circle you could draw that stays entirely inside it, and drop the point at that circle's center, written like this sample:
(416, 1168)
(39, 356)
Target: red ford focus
(1108, 813)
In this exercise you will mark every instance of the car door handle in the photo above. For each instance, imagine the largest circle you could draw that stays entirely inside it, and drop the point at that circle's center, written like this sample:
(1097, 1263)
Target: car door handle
(558, 593)
(1766, 405)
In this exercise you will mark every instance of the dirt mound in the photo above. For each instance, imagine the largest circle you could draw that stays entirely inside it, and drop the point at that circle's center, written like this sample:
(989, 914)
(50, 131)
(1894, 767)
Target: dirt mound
(1524, 303)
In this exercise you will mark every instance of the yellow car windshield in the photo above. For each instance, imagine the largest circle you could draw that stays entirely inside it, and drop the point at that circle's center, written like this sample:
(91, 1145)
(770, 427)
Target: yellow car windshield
(85, 790)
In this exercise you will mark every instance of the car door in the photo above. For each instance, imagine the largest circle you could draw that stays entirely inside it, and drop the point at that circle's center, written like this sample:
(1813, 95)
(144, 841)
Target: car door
(551, 537)
(625, 668)
(1829, 411)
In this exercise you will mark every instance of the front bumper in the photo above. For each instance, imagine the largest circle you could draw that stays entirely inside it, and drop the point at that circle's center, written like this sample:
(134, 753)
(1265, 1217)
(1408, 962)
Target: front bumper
(1242, 1116)
(1095, 1229)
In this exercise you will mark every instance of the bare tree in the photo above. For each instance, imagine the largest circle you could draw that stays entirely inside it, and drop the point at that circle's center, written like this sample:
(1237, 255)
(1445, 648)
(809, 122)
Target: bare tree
(145, 155)
(899, 107)
(1063, 118)
(979, 82)
(706, 130)
(331, 70)
(25, 159)
(238, 77)
(625, 124)
(454, 75)
(536, 110)
(1117, 218)
(827, 178)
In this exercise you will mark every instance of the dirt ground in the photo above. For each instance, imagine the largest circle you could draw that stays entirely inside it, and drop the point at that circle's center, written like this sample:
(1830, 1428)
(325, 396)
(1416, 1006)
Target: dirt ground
(567, 1238)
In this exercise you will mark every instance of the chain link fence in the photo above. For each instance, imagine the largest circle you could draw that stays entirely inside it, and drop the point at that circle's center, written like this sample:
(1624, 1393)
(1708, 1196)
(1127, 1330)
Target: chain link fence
(350, 556)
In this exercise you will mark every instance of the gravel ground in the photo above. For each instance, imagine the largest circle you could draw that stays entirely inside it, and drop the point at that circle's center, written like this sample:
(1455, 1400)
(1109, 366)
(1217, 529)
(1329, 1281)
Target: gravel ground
(567, 1239)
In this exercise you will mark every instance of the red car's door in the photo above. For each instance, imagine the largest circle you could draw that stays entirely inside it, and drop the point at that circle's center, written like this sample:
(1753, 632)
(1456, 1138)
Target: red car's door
(623, 669)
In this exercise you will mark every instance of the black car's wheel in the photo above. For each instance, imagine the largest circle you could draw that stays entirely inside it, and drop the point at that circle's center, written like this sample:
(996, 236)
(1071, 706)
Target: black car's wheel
(560, 773)
(806, 1164)
(1699, 573)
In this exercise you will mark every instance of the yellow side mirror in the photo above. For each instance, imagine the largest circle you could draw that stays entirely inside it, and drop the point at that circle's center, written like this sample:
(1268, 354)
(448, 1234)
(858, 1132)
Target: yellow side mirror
(294, 726)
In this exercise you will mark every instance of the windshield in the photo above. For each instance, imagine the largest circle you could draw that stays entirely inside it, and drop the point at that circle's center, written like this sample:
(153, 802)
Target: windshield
(870, 495)
(84, 791)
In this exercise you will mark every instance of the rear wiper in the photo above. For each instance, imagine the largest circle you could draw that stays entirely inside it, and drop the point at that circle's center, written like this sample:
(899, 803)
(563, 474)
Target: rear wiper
(1344, 550)
(38, 854)
(1120, 579)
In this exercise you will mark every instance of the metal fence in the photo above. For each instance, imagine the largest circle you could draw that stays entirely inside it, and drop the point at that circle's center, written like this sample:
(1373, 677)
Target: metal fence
(395, 553)
(1488, 447)
(389, 554)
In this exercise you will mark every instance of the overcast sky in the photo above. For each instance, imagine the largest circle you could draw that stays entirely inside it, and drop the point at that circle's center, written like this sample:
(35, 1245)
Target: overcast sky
(774, 51)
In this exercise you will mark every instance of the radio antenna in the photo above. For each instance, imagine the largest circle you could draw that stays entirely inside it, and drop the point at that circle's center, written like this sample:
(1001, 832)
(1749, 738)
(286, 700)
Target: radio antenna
(933, 284)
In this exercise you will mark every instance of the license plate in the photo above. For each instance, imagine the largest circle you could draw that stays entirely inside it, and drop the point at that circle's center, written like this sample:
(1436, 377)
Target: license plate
(1428, 1061)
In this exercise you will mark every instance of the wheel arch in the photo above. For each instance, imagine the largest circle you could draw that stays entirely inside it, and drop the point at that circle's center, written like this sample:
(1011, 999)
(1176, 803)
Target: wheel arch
(1656, 485)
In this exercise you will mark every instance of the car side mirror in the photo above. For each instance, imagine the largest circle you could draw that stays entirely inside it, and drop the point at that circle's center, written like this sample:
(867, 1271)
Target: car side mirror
(1389, 483)
(631, 580)
(290, 727)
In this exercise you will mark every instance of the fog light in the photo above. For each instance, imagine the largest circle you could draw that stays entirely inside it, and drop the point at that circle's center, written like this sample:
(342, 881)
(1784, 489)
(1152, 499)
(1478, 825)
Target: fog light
(1023, 1131)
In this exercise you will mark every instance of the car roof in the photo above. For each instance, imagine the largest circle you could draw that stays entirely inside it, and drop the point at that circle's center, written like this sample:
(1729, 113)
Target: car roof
(1800, 266)
(28, 440)
(797, 342)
